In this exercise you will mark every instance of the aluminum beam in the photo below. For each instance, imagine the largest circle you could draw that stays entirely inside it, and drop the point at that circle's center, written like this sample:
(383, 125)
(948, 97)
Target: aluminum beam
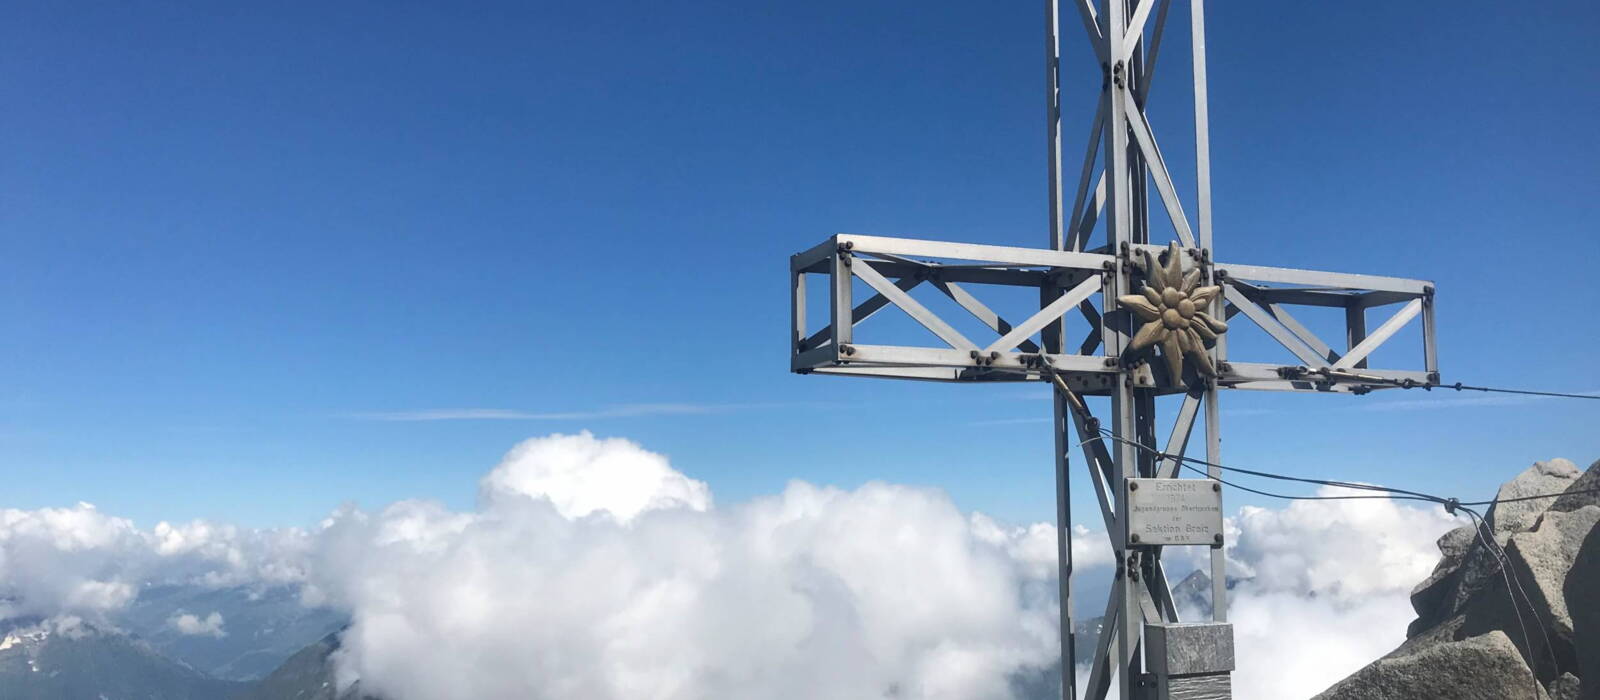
(912, 307)
(1377, 337)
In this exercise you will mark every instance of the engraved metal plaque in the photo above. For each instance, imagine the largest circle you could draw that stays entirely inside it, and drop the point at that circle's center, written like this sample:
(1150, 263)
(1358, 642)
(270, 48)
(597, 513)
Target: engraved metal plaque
(1174, 512)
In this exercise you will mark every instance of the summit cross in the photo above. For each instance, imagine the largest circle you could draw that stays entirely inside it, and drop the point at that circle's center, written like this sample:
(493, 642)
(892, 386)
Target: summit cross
(1158, 315)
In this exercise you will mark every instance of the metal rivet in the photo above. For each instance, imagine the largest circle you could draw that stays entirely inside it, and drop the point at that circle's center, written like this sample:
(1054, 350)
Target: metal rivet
(1217, 538)
(1218, 488)
(1133, 486)
(1135, 539)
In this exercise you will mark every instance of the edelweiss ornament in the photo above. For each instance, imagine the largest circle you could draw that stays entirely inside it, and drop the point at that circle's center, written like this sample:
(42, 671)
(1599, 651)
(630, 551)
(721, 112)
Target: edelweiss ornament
(1170, 305)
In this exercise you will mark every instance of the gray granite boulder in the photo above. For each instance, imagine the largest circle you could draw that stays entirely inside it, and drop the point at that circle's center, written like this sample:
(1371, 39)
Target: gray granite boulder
(1542, 478)
(1486, 667)
(1428, 597)
(1583, 492)
(1564, 688)
(1582, 591)
(1540, 624)
(1479, 567)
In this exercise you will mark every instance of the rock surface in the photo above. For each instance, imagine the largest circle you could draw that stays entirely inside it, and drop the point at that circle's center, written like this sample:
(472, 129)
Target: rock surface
(1564, 688)
(1549, 477)
(1582, 590)
(1487, 667)
(1512, 604)
(1583, 492)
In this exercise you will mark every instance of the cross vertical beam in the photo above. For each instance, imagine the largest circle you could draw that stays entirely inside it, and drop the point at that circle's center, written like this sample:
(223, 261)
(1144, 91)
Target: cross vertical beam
(1202, 159)
(1120, 226)
(1053, 339)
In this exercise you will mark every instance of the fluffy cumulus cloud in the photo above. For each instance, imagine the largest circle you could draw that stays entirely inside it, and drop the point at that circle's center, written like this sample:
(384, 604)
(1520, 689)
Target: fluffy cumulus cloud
(580, 474)
(547, 592)
(592, 568)
(81, 562)
(194, 625)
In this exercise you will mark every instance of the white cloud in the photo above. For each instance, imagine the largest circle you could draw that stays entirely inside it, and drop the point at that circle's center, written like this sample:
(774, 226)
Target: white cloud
(80, 561)
(1328, 588)
(1340, 548)
(815, 592)
(581, 474)
(193, 625)
(592, 568)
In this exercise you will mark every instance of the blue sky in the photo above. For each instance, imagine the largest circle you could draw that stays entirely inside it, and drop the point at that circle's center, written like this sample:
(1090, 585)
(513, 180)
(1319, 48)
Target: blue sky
(236, 242)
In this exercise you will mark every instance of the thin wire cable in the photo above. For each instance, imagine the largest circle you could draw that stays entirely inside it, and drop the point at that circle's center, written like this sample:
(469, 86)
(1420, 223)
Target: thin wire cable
(1412, 495)
(1268, 475)
(1331, 374)
(1503, 562)
(1230, 484)
(1531, 498)
(1458, 386)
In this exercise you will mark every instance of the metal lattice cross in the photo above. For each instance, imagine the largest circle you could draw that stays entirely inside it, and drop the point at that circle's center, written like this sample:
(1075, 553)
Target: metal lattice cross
(1119, 288)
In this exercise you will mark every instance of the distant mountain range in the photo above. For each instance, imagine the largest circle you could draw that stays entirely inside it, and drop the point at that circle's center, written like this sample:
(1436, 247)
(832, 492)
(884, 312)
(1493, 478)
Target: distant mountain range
(264, 644)
(260, 627)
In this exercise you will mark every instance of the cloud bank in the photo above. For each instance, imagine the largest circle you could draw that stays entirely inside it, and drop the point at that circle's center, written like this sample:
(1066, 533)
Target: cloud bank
(82, 562)
(592, 568)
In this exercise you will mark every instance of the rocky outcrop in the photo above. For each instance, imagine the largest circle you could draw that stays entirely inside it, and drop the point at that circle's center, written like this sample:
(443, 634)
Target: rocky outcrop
(1583, 492)
(1564, 688)
(1468, 567)
(1542, 478)
(1518, 597)
(1487, 667)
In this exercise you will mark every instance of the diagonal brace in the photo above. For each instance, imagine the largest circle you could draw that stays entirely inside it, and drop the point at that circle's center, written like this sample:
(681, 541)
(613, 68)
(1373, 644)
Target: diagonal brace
(862, 312)
(1094, 450)
(1158, 169)
(1055, 310)
(1377, 337)
(1273, 327)
(912, 307)
(980, 311)
(1178, 440)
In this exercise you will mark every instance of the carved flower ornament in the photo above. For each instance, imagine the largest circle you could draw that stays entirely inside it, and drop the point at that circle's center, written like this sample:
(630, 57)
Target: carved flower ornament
(1170, 304)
